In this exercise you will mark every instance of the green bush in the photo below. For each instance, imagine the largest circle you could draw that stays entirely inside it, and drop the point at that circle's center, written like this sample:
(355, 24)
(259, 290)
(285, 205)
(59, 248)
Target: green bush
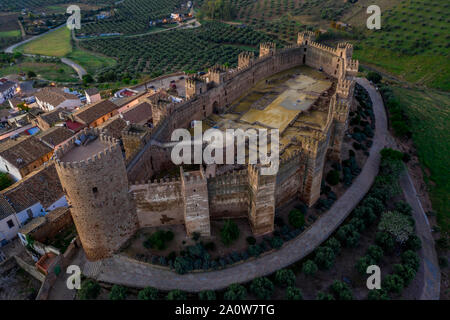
(374, 77)
(296, 218)
(411, 259)
(332, 177)
(324, 258)
(375, 252)
(158, 239)
(378, 294)
(324, 296)
(89, 290)
(397, 225)
(393, 283)
(148, 293)
(251, 240)
(207, 295)
(403, 207)
(405, 272)
(285, 277)
(414, 243)
(176, 295)
(262, 288)
(341, 291)
(235, 292)
(229, 233)
(5, 181)
(293, 293)
(309, 268)
(348, 236)
(375, 204)
(118, 293)
(385, 241)
(363, 263)
(334, 244)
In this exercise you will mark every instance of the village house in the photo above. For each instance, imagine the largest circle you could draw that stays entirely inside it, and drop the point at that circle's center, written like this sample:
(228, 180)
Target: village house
(7, 89)
(92, 95)
(139, 114)
(55, 136)
(20, 156)
(114, 126)
(29, 200)
(49, 119)
(49, 99)
(9, 225)
(94, 115)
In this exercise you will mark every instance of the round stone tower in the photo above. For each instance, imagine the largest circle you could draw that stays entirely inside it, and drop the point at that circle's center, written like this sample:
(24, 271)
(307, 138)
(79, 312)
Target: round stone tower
(92, 172)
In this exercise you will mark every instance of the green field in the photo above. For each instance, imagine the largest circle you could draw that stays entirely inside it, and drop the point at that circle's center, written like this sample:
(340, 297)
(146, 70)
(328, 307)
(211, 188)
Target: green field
(50, 71)
(11, 33)
(56, 43)
(428, 112)
(90, 61)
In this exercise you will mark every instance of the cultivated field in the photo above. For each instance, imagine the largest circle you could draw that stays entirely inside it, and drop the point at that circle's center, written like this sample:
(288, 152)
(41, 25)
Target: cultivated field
(56, 43)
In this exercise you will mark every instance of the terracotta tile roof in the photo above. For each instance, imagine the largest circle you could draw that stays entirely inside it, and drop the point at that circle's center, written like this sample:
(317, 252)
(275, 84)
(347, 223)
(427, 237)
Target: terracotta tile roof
(23, 151)
(51, 117)
(94, 111)
(42, 184)
(19, 198)
(54, 96)
(5, 208)
(32, 225)
(114, 126)
(56, 135)
(74, 126)
(139, 114)
(91, 91)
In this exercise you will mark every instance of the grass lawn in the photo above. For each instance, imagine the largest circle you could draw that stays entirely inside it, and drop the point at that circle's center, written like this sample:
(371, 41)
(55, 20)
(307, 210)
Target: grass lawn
(91, 62)
(50, 71)
(55, 44)
(11, 33)
(429, 116)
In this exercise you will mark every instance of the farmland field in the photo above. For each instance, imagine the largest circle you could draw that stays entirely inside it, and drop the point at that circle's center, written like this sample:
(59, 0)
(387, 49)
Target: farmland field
(50, 71)
(17, 5)
(90, 61)
(429, 118)
(56, 43)
(191, 49)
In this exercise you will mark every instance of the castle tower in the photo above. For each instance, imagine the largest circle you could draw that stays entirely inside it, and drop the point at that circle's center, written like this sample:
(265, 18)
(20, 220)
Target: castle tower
(196, 206)
(316, 149)
(194, 86)
(344, 50)
(245, 59)
(217, 74)
(340, 109)
(94, 178)
(134, 138)
(267, 49)
(262, 201)
(303, 38)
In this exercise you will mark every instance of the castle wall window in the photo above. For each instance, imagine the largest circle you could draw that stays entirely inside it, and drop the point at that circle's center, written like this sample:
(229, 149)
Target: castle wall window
(94, 190)
(10, 224)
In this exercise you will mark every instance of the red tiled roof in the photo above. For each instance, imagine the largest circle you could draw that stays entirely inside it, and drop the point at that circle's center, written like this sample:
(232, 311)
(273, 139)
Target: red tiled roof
(74, 126)
(139, 114)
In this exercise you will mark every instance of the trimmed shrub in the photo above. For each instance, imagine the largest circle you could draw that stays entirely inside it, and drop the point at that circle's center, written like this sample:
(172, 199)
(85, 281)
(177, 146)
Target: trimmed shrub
(207, 295)
(176, 295)
(229, 233)
(324, 258)
(411, 259)
(363, 263)
(403, 207)
(276, 242)
(348, 236)
(393, 283)
(375, 252)
(414, 243)
(296, 219)
(118, 293)
(89, 290)
(148, 293)
(334, 244)
(405, 272)
(254, 250)
(332, 177)
(324, 296)
(309, 268)
(293, 293)
(396, 224)
(341, 291)
(285, 278)
(262, 288)
(375, 204)
(385, 241)
(235, 292)
(158, 239)
(378, 294)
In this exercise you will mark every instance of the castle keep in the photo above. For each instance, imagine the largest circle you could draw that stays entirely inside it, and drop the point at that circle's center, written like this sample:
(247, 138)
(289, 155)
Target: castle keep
(111, 191)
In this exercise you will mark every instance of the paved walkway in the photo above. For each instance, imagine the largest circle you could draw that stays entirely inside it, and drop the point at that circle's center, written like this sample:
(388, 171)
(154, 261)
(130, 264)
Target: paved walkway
(125, 271)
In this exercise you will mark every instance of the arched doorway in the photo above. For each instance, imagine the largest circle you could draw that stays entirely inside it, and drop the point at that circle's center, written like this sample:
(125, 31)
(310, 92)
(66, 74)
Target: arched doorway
(215, 107)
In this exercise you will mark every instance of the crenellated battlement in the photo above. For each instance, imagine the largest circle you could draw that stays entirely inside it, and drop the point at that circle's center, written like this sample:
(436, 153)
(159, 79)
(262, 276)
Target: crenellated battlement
(323, 47)
(267, 49)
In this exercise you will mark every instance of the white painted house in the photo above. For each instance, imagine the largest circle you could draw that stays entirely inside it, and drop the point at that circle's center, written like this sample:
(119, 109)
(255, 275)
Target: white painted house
(51, 98)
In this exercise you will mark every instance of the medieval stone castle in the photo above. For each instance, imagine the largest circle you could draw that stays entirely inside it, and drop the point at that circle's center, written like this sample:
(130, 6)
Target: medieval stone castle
(107, 181)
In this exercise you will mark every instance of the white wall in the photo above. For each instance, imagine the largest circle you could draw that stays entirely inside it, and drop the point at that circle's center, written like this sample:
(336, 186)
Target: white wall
(36, 209)
(5, 166)
(5, 231)
(61, 202)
